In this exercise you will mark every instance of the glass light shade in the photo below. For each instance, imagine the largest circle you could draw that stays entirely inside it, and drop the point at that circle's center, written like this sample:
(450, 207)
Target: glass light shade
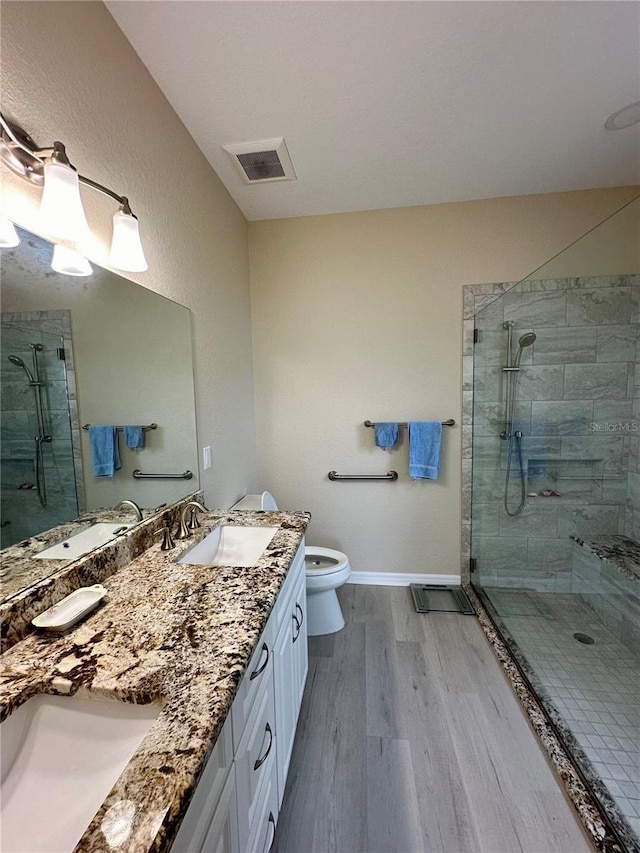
(126, 248)
(8, 234)
(61, 206)
(68, 262)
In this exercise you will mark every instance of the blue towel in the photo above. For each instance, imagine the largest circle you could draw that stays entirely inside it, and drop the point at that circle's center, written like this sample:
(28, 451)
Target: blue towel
(424, 449)
(105, 455)
(386, 434)
(134, 436)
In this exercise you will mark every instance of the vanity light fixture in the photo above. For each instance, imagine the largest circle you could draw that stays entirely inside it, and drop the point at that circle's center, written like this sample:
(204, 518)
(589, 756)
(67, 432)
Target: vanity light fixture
(68, 262)
(8, 234)
(61, 205)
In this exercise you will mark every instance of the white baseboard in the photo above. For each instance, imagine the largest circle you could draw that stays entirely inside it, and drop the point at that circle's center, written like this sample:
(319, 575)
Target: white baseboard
(402, 579)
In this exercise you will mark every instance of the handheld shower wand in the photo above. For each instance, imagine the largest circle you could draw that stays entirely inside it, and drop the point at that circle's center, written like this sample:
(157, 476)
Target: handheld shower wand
(514, 437)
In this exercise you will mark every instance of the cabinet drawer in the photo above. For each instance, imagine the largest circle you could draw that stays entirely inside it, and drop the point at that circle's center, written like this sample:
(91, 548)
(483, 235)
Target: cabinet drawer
(264, 829)
(259, 671)
(255, 762)
(196, 821)
(222, 835)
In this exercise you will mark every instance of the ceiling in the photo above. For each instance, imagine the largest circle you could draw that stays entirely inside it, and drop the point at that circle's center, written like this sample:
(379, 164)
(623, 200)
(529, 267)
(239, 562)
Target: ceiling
(398, 103)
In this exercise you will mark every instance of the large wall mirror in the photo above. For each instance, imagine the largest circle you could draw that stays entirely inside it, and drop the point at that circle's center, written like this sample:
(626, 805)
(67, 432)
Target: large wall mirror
(75, 351)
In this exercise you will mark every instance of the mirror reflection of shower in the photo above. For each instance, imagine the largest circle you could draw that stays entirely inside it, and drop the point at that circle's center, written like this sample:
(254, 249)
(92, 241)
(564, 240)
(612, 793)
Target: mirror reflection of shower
(509, 433)
(41, 436)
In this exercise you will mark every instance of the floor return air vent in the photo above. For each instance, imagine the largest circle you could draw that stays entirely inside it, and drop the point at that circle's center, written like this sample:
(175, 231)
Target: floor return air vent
(450, 599)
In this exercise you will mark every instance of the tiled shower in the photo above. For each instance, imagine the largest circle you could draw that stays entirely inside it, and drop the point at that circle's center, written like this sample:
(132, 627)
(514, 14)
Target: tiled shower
(24, 512)
(561, 577)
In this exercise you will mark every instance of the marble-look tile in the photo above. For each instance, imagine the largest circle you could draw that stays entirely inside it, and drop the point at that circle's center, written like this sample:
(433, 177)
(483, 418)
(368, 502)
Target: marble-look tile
(488, 418)
(467, 374)
(595, 381)
(541, 382)
(613, 415)
(540, 514)
(565, 345)
(468, 328)
(586, 521)
(591, 281)
(546, 284)
(536, 308)
(617, 343)
(563, 417)
(599, 306)
(488, 382)
(553, 555)
(595, 447)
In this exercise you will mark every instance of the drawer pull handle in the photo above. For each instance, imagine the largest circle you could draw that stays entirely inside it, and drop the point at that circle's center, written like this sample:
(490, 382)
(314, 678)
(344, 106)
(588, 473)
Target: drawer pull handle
(301, 612)
(272, 821)
(261, 761)
(257, 672)
(298, 626)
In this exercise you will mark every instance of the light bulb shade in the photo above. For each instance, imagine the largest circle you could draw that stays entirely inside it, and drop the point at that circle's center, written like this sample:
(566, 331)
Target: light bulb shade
(126, 248)
(61, 206)
(68, 262)
(8, 234)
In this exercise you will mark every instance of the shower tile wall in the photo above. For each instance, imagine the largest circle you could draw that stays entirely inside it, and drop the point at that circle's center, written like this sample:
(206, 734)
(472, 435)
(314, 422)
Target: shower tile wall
(22, 515)
(579, 410)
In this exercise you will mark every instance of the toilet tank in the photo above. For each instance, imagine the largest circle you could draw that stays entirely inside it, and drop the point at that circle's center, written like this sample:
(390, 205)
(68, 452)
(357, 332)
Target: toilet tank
(263, 501)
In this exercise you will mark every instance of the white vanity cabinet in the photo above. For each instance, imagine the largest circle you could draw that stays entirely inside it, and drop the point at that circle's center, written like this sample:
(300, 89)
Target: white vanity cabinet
(290, 673)
(235, 806)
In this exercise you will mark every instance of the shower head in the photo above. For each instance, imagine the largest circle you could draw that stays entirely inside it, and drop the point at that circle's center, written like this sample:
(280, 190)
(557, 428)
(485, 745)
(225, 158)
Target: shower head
(526, 340)
(20, 363)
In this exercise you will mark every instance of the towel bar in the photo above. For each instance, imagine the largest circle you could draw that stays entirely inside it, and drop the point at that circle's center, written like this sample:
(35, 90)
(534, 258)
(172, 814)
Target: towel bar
(391, 475)
(138, 475)
(119, 428)
(404, 424)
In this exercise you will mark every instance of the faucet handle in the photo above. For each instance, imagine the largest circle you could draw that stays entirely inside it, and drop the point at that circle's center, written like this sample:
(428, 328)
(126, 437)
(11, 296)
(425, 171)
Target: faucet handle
(167, 540)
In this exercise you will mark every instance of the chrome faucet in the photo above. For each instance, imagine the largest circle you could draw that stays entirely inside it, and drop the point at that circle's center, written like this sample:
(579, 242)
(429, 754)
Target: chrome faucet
(185, 530)
(134, 506)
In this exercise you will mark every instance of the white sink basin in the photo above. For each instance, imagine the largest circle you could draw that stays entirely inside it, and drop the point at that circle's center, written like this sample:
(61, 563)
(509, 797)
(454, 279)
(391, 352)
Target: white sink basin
(81, 543)
(60, 758)
(231, 545)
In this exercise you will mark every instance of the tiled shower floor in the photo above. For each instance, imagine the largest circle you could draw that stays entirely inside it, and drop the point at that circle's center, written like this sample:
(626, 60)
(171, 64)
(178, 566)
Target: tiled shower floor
(594, 690)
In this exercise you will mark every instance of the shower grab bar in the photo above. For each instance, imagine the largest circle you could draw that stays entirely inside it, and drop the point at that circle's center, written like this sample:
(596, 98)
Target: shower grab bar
(138, 475)
(404, 424)
(119, 428)
(391, 475)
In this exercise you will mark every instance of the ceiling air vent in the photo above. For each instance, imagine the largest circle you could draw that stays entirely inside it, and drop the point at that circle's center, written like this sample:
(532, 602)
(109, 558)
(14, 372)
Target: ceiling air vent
(259, 162)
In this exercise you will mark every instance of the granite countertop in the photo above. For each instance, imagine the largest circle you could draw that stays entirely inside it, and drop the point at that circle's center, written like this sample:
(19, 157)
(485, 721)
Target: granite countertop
(177, 635)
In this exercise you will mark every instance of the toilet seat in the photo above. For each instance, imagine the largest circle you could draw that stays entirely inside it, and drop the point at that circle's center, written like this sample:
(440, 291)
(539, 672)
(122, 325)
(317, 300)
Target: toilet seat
(323, 561)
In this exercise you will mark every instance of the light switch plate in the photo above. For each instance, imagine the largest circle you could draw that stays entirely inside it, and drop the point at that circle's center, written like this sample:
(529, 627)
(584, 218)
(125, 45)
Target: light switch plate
(206, 457)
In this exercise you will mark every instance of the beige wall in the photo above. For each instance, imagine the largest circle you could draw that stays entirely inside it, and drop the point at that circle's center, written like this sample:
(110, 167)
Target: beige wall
(68, 73)
(358, 316)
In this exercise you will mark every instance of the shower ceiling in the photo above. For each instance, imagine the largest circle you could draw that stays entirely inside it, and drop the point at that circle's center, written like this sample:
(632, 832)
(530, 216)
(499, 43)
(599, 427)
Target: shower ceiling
(392, 104)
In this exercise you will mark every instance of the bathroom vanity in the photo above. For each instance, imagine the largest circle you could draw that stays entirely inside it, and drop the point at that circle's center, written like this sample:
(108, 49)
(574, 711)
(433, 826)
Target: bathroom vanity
(221, 650)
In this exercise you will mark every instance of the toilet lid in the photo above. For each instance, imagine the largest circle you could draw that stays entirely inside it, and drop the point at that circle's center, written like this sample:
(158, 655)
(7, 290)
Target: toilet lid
(324, 561)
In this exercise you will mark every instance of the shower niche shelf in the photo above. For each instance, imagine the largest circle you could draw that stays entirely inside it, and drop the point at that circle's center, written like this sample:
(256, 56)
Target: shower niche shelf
(583, 479)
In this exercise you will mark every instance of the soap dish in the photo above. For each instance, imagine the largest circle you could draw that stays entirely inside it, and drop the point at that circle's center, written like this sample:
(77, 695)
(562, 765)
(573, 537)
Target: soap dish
(71, 609)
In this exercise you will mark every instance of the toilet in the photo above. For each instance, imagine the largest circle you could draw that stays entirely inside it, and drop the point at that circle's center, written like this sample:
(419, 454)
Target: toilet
(326, 570)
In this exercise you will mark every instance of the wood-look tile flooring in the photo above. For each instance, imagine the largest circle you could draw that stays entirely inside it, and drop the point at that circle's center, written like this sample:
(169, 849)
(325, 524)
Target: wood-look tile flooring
(410, 739)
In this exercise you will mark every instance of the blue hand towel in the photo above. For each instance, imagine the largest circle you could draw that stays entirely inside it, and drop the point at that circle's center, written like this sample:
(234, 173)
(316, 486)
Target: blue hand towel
(386, 434)
(134, 436)
(424, 449)
(105, 454)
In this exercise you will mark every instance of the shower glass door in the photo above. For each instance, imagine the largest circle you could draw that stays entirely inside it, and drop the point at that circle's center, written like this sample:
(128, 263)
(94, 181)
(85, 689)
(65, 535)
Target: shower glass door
(556, 498)
(38, 485)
